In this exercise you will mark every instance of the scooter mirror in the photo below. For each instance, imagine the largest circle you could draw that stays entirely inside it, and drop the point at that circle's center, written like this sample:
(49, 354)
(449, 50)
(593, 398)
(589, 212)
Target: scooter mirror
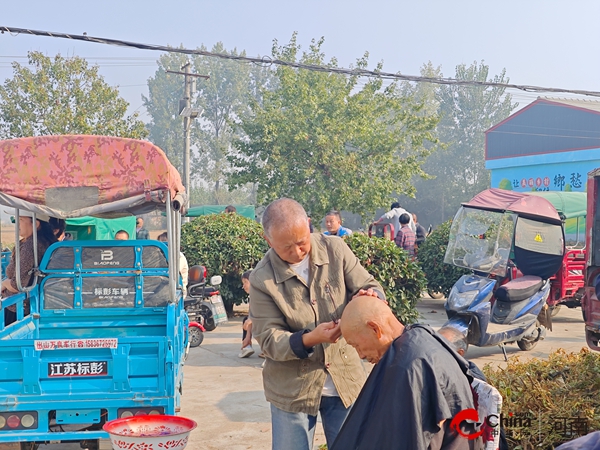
(216, 280)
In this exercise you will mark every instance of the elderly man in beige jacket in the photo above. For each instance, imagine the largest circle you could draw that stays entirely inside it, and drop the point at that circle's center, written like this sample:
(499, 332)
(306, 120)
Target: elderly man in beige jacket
(298, 292)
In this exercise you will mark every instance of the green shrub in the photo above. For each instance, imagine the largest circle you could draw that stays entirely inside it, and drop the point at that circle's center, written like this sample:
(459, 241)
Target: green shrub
(401, 278)
(440, 277)
(547, 391)
(227, 245)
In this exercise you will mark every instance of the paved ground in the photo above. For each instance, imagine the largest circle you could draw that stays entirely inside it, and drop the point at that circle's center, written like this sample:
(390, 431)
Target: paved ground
(223, 393)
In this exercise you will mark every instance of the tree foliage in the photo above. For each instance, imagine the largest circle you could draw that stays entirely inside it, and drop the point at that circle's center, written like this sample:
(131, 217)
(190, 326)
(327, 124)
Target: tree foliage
(63, 96)
(222, 98)
(458, 169)
(227, 245)
(164, 92)
(330, 141)
(401, 278)
(440, 276)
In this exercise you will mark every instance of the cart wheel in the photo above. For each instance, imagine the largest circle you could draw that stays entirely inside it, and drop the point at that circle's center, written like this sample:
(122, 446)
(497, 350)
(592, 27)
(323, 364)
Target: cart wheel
(435, 295)
(554, 310)
(209, 320)
(195, 336)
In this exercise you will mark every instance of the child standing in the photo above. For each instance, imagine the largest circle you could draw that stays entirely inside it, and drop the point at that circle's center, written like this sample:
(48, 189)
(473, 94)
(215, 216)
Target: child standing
(406, 236)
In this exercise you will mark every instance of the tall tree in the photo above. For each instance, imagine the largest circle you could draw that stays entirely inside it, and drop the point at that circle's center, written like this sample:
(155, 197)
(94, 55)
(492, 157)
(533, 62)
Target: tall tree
(326, 141)
(63, 96)
(426, 93)
(459, 170)
(164, 92)
(222, 98)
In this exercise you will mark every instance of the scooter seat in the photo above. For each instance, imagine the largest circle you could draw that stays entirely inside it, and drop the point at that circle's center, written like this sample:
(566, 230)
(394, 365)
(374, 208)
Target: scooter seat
(519, 289)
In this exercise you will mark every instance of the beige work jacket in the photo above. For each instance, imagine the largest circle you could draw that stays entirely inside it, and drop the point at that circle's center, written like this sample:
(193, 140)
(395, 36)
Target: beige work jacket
(283, 306)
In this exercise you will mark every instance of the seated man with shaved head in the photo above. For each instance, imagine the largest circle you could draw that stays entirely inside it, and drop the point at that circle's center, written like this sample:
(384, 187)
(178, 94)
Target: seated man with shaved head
(298, 292)
(418, 385)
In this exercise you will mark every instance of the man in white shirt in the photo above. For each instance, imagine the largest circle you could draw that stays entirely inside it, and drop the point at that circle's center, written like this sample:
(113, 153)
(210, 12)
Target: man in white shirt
(393, 217)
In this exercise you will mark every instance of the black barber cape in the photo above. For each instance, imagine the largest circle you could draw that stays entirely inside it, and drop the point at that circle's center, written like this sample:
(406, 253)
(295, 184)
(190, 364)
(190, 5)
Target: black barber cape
(418, 382)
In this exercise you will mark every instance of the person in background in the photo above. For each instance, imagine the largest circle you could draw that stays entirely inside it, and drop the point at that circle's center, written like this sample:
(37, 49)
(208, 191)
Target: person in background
(121, 235)
(393, 215)
(247, 349)
(58, 227)
(183, 264)
(405, 238)
(333, 223)
(298, 292)
(230, 209)
(45, 238)
(420, 232)
(140, 231)
(418, 385)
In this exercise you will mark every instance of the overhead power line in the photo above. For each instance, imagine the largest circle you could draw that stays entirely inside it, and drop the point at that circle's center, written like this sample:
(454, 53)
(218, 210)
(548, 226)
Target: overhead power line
(266, 60)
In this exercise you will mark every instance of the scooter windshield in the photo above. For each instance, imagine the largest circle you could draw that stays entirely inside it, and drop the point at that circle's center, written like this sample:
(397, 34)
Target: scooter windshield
(481, 240)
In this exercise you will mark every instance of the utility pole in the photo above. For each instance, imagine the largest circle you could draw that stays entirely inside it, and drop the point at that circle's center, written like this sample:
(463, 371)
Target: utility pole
(188, 113)
(187, 121)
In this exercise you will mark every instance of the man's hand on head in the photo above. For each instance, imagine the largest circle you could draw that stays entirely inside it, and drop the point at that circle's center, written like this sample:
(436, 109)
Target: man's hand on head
(366, 292)
(369, 293)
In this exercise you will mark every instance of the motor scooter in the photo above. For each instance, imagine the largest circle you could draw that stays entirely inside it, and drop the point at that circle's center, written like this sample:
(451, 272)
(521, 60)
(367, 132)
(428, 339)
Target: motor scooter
(204, 304)
(513, 243)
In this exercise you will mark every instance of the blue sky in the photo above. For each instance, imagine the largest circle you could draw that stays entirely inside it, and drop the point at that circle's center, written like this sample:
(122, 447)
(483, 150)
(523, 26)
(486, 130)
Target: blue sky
(546, 43)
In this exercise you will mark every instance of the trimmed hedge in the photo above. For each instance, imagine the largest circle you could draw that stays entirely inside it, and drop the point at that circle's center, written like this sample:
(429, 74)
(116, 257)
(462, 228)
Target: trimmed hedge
(227, 245)
(401, 278)
(440, 277)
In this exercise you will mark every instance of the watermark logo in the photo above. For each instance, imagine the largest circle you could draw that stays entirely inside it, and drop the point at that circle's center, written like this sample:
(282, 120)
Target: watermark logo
(466, 414)
(568, 427)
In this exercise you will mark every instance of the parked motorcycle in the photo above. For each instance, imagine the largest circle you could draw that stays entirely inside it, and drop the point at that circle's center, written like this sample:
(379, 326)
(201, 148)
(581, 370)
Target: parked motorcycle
(204, 304)
(513, 242)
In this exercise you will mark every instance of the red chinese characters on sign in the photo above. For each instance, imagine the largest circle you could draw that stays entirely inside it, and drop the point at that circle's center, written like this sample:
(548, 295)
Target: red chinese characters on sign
(546, 181)
(59, 344)
(530, 182)
(523, 183)
(538, 182)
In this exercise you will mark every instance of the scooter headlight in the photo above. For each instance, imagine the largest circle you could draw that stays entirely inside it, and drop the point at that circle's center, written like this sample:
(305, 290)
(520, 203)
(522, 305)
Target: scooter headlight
(460, 300)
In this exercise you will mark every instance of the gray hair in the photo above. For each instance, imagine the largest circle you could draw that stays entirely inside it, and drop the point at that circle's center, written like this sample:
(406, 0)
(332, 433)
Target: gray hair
(283, 213)
(456, 338)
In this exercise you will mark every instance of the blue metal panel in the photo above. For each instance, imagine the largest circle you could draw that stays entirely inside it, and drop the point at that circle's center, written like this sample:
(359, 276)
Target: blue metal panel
(544, 127)
(142, 367)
